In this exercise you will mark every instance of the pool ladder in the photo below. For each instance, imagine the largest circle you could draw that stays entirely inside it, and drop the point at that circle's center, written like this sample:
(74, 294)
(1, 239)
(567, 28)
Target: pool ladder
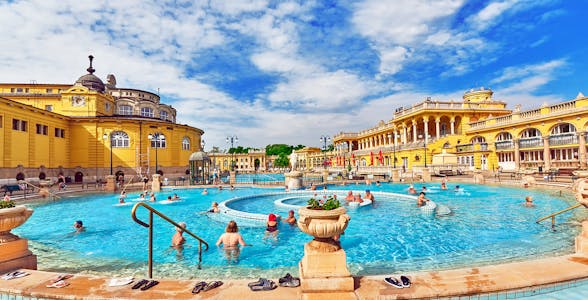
(552, 216)
(150, 226)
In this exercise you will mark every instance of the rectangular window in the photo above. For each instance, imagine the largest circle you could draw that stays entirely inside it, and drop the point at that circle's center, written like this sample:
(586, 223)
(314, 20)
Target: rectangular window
(39, 129)
(15, 124)
(57, 130)
(45, 129)
(1, 121)
(49, 91)
(19, 90)
(23, 125)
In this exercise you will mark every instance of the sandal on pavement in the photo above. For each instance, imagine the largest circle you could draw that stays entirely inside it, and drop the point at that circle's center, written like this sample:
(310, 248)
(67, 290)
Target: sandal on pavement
(259, 282)
(59, 284)
(393, 282)
(151, 284)
(293, 282)
(267, 285)
(212, 285)
(198, 287)
(405, 281)
(140, 283)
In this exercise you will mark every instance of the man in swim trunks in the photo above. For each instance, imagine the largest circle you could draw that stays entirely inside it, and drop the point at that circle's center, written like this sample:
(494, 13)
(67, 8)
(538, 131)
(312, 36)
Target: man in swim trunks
(231, 240)
(421, 200)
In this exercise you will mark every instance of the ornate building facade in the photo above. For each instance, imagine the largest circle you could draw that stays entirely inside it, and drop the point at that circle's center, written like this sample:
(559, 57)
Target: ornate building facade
(88, 130)
(481, 131)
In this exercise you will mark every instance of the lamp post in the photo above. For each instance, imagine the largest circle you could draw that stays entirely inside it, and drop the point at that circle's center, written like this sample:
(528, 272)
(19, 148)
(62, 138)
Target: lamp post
(325, 139)
(202, 144)
(232, 140)
(105, 137)
(157, 139)
(424, 137)
(393, 148)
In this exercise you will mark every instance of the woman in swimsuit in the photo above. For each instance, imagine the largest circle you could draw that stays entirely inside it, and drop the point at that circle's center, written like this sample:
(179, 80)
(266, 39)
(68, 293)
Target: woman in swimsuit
(272, 226)
(231, 240)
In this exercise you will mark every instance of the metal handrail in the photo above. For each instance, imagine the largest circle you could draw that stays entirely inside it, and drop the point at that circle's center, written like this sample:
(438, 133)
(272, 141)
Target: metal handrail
(39, 188)
(552, 216)
(150, 226)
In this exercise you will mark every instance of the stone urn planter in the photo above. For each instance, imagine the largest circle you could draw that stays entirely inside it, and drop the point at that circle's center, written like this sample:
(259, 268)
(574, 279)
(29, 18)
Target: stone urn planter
(11, 218)
(323, 268)
(323, 225)
(14, 251)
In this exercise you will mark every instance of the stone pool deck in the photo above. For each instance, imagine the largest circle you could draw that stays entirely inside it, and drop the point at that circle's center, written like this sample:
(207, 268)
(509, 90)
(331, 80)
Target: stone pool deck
(429, 284)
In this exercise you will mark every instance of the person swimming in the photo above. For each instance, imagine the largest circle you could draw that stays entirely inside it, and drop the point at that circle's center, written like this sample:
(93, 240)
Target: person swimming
(231, 240)
(271, 226)
(79, 226)
(291, 219)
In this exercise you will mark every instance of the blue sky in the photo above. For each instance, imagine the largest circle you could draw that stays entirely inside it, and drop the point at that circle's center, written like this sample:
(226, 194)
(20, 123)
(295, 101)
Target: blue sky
(291, 71)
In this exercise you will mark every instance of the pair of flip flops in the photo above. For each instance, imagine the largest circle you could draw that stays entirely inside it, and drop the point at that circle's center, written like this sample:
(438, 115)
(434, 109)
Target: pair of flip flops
(262, 284)
(203, 286)
(145, 284)
(403, 283)
(289, 281)
(59, 281)
(15, 274)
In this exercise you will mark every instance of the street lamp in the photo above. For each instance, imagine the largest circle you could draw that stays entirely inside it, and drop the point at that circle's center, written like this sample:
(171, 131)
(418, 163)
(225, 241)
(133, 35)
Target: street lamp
(325, 139)
(105, 137)
(202, 144)
(233, 140)
(112, 136)
(424, 137)
(157, 139)
(393, 148)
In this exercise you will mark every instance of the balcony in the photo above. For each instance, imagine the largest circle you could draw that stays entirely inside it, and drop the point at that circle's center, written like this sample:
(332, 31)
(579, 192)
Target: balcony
(464, 148)
(533, 142)
(563, 139)
(504, 145)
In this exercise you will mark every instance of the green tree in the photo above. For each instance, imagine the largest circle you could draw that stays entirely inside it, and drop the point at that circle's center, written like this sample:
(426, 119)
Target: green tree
(282, 161)
(277, 149)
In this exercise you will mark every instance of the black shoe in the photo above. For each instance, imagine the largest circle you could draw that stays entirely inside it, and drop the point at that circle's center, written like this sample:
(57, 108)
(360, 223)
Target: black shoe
(405, 281)
(259, 282)
(286, 278)
(393, 282)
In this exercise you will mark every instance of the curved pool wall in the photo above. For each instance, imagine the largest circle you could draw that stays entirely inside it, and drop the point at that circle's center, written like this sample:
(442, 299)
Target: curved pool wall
(228, 212)
(488, 225)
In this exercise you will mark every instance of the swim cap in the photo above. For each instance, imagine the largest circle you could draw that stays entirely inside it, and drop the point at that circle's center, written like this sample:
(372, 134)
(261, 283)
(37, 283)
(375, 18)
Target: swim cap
(79, 222)
(367, 191)
(272, 217)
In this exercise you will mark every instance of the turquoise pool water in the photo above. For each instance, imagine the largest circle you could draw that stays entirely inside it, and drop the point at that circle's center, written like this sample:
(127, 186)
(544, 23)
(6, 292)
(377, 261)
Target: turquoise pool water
(488, 225)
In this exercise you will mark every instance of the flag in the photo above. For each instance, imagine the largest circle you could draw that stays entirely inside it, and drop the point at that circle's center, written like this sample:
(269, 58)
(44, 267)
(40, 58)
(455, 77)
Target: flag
(381, 158)
(371, 158)
(353, 158)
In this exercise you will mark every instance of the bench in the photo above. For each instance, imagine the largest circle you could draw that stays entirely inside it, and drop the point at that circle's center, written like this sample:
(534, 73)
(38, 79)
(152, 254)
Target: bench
(9, 188)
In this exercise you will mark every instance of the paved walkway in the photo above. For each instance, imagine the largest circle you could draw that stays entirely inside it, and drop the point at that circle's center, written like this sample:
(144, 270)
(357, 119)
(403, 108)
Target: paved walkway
(431, 284)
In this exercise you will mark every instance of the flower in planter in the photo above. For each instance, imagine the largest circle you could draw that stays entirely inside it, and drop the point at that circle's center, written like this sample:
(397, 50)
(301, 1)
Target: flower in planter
(7, 204)
(329, 204)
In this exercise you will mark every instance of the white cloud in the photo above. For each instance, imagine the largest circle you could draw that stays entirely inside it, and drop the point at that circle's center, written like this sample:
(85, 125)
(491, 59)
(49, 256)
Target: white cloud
(519, 73)
(491, 14)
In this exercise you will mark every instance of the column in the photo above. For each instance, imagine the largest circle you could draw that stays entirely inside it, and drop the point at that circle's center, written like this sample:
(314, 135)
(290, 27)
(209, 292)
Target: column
(404, 135)
(517, 155)
(414, 131)
(582, 150)
(452, 121)
(546, 154)
(437, 131)
(426, 126)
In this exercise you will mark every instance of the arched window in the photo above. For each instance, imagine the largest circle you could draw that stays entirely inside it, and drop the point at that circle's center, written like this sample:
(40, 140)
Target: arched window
(119, 139)
(157, 140)
(504, 136)
(126, 110)
(147, 112)
(563, 129)
(531, 132)
(163, 114)
(186, 143)
(478, 140)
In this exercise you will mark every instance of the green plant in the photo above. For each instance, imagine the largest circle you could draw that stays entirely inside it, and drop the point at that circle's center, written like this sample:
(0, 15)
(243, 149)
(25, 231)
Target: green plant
(7, 204)
(328, 204)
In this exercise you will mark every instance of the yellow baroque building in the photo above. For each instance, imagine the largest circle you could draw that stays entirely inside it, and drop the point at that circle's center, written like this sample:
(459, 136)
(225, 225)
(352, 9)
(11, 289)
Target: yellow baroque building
(88, 130)
(479, 130)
